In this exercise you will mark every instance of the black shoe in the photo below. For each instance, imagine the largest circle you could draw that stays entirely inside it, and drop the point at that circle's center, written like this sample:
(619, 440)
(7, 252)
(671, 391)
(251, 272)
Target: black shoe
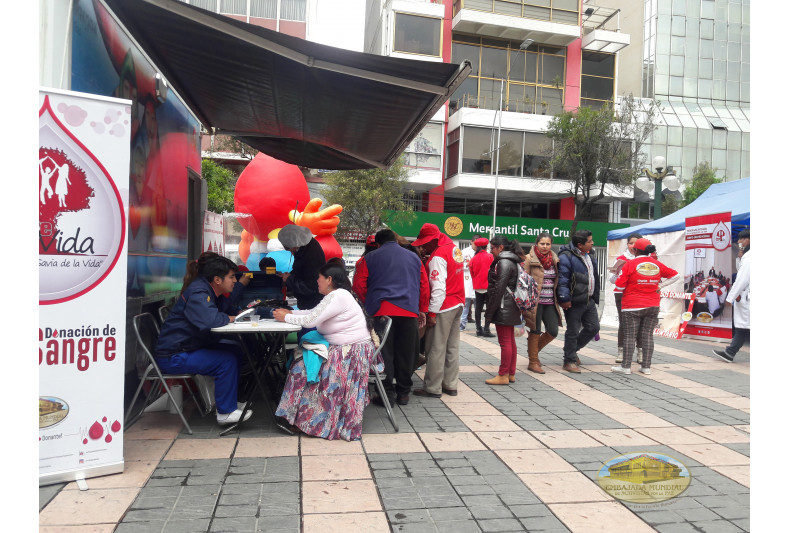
(479, 331)
(378, 401)
(423, 392)
(450, 392)
(403, 400)
(724, 356)
(487, 333)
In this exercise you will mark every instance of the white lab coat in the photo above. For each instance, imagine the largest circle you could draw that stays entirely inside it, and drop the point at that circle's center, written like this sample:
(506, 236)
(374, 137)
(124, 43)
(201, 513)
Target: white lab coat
(741, 288)
(468, 253)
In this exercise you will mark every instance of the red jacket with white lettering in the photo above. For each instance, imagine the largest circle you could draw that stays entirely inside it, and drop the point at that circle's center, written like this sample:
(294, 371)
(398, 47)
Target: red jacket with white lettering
(446, 276)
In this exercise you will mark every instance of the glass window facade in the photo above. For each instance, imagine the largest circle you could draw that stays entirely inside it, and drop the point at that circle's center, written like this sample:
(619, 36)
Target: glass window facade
(695, 57)
(523, 154)
(505, 208)
(425, 151)
(417, 35)
(562, 11)
(534, 79)
(597, 78)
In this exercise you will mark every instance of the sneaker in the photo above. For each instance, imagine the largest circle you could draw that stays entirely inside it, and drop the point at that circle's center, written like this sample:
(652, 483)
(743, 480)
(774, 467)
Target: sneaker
(241, 405)
(645, 371)
(621, 370)
(463, 328)
(571, 367)
(232, 418)
(724, 356)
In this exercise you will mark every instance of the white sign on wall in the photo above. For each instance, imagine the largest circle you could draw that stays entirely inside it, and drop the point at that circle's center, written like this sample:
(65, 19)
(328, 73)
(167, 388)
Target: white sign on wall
(83, 170)
(213, 233)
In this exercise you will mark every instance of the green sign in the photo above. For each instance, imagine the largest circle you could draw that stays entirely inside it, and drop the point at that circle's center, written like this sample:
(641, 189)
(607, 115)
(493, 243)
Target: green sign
(524, 230)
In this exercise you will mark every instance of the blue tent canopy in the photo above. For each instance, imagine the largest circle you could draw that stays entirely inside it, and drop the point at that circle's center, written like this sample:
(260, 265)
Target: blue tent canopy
(731, 196)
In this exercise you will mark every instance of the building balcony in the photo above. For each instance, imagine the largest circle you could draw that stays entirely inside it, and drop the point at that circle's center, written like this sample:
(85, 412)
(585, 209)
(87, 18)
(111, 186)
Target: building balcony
(481, 17)
(601, 29)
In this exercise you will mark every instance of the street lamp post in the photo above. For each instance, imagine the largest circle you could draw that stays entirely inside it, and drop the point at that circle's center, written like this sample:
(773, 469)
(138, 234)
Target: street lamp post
(661, 175)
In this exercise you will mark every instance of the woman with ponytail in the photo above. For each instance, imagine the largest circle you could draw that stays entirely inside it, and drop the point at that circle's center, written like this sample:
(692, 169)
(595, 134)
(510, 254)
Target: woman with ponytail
(541, 264)
(501, 308)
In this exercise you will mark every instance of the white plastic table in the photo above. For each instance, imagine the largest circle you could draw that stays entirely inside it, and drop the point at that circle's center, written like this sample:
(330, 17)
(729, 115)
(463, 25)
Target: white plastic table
(274, 333)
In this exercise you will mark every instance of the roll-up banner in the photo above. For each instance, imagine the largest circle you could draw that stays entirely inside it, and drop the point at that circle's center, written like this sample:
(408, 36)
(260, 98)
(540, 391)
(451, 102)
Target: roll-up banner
(83, 170)
(709, 268)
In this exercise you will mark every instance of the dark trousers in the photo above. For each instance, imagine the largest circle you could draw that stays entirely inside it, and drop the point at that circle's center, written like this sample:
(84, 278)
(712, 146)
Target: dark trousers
(220, 361)
(739, 337)
(547, 314)
(480, 303)
(399, 355)
(581, 326)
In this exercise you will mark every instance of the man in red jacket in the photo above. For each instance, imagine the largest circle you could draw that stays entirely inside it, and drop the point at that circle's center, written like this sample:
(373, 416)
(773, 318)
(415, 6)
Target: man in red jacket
(443, 338)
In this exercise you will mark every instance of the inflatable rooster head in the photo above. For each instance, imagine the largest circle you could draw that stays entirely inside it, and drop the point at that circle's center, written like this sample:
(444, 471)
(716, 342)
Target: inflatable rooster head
(274, 194)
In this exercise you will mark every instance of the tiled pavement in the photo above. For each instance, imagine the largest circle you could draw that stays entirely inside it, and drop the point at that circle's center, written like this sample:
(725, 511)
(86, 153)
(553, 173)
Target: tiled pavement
(522, 457)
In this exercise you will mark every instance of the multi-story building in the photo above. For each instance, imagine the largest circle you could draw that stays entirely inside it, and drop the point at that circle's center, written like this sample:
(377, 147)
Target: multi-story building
(537, 58)
(691, 56)
(546, 56)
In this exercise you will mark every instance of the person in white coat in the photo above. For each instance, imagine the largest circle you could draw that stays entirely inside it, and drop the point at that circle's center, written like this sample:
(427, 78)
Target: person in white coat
(739, 299)
(468, 253)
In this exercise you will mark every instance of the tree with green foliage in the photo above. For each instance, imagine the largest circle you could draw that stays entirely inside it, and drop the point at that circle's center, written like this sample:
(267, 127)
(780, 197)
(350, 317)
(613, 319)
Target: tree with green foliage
(599, 149)
(221, 183)
(703, 177)
(367, 194)
(670, 204)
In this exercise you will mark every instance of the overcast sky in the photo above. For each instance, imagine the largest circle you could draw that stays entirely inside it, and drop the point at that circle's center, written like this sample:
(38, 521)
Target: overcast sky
(339, 23)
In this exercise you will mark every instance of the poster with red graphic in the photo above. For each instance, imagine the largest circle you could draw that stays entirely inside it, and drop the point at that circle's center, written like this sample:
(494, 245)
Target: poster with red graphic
(213, 233)
(83, 176)
(709, 268)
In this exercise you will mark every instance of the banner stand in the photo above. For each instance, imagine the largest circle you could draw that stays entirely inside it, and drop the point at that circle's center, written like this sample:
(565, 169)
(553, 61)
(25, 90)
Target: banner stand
(83, 169)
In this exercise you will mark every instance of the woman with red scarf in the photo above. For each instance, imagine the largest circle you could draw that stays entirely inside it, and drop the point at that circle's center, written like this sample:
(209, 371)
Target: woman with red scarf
(541, 264)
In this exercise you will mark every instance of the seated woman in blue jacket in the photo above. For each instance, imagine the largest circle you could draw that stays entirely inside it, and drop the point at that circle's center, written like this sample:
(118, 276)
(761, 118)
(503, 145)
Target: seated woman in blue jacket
(186, 344)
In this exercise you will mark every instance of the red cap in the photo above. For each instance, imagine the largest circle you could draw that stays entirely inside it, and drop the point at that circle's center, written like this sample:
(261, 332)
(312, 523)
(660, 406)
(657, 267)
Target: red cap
(242, 268)
(642, 244)
(428, 232)
(370, 240)
(481, 242)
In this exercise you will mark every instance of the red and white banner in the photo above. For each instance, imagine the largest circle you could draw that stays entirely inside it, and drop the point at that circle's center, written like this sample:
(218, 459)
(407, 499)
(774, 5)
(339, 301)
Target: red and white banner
(709, 268)
(213, 233)
(83, 170)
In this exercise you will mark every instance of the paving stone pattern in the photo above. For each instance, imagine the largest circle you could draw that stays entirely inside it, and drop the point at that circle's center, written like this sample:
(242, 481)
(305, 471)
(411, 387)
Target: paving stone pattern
(493, 458)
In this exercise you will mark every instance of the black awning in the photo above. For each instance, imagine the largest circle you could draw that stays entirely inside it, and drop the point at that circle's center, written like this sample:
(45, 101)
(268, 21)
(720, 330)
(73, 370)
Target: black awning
(304, 103)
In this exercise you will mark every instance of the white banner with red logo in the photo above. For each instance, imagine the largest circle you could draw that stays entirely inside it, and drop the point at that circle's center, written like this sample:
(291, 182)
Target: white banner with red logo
(709, 268)
(83, 171)
(213, 233)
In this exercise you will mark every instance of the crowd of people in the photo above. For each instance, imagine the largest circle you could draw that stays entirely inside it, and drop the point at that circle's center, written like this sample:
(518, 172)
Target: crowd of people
(428, 291)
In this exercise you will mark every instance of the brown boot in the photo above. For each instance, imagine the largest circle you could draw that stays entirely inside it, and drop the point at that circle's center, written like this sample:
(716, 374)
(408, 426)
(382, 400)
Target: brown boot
(532, 346)
(498, 380)
(511, 378)
(545, 339)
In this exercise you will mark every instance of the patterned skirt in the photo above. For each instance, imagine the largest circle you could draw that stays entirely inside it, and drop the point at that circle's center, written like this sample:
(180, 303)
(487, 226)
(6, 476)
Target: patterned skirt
(333, 407)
